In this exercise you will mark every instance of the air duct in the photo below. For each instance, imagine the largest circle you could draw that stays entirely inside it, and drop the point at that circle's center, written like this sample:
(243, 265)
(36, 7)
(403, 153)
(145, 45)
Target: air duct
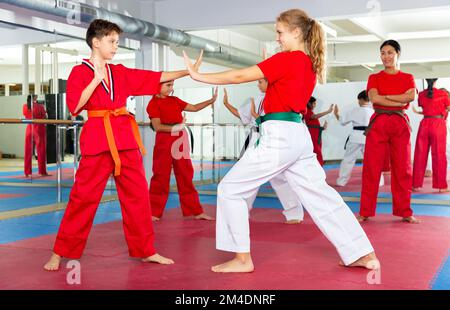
(131, 25)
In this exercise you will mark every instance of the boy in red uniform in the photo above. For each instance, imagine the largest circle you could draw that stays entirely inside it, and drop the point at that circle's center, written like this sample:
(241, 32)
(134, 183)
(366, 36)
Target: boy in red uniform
(172, 149)
(110, 143)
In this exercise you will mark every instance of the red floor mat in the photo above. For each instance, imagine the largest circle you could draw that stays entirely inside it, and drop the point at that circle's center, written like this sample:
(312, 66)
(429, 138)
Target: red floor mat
(285, 257)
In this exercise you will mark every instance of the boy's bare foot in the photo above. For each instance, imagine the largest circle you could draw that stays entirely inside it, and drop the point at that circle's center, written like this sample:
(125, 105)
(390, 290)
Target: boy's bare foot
(241, 263)
(416, 189)
(292, 222)
(155, 219)
(444, 190)
(411, 220)
(53, 263)
(204, 216)
(156, 258)
(361, 218)
(370, 261)
(428, 173)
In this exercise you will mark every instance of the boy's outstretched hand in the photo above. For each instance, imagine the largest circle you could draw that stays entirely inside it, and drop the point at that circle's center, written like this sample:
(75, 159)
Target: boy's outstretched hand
(214, 97)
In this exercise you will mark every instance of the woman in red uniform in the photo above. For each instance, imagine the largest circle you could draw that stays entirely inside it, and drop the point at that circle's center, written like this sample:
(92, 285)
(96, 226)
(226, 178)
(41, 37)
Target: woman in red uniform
(33, 110)
(390, 91)
(172, 149)
(432, 134)
(314, 127)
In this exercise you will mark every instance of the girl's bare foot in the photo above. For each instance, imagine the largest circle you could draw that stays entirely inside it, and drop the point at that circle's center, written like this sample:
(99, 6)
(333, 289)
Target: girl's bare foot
(156, 258)
(53, 263)
(428, 173)
(444, 190)
(411, 220)
(361, 218)
(155, 219)
(370, 261)
(416, 189)
(292, 222)
(241, 263)
(204, 216)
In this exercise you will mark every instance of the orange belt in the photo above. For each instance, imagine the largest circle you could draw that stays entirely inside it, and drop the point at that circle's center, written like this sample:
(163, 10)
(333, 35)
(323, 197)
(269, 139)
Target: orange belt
(106, 114)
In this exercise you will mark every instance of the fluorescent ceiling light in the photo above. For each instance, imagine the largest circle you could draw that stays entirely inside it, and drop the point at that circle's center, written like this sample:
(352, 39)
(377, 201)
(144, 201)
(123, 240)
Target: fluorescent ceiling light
(420, 34)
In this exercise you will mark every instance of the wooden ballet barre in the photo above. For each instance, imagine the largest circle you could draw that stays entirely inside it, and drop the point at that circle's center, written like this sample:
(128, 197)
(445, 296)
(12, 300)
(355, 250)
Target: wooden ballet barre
(39, 121)
(69, 122)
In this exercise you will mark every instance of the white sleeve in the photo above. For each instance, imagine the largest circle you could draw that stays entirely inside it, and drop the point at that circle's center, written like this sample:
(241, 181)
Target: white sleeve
(346, 118)
(245, 112)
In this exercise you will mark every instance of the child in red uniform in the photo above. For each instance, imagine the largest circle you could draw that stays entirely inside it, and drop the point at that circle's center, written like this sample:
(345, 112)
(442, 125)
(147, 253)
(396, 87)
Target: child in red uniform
(110, 143)
(172, 149)
(390, 91)
(39, 136)
(314, 127)
(284, 148)
(432, 134)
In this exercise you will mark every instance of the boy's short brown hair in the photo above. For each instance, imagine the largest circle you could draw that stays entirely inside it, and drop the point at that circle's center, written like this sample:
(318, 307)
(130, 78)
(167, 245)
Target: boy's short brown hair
(100, 28)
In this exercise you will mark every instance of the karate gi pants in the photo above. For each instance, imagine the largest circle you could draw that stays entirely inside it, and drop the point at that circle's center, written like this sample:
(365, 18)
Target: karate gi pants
(352, 151)
(275, 155)
(389, 133)
(173, 150)
(292, 209)
(432, 134)
(90, 181)
(317, 148)
(39, 139)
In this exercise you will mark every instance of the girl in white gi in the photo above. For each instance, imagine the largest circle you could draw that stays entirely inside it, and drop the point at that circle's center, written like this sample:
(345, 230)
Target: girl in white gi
(285, 147)
(359, 118)
(248, 113)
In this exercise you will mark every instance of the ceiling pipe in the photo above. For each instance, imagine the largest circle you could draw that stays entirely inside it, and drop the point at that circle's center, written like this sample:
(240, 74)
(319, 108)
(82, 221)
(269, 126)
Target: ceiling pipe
(134, 26)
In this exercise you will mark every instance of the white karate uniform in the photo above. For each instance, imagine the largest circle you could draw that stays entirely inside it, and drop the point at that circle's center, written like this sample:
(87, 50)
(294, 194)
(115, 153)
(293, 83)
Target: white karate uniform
(275, 155)
(359, 116)
(292, 210)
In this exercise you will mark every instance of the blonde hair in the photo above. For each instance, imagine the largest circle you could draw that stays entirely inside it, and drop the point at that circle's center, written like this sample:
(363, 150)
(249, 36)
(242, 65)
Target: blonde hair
(313, 37)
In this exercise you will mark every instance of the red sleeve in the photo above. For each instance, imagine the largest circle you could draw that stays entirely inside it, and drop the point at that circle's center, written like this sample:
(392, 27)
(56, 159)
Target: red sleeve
(274, 67)
(75, 86)
(419, 99)
(141, 82)
(372, 82)
(153, 109)
(25, 110)
(182, 104)
(410, 83)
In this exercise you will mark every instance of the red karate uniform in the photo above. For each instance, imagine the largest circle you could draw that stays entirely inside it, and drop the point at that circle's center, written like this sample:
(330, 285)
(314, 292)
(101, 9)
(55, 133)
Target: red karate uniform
(171, 149)
(315, 130)
(432, 134)
(109, 143)
(388, 133)
(39, 138)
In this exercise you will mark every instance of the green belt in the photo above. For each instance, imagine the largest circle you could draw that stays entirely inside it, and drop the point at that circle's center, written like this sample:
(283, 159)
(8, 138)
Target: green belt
(282, 116)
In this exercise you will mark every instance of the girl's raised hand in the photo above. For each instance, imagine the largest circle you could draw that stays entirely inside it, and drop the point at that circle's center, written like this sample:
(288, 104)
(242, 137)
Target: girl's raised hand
(192, 69)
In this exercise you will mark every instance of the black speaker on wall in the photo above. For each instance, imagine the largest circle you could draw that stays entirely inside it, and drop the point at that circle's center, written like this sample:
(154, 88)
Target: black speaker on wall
(54, 105)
